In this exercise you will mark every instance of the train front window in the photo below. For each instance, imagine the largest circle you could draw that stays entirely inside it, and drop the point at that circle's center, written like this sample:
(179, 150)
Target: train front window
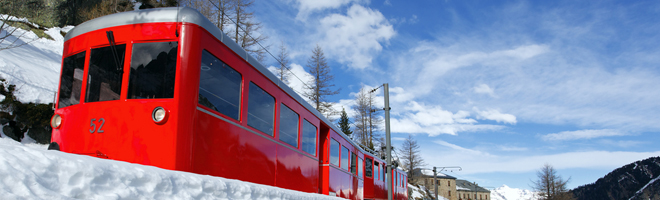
(288, 126)
(219, 86)
(71, 80)
(261, 109)
(105, 74)
(153, 70)
(334, 152)
(309, 138)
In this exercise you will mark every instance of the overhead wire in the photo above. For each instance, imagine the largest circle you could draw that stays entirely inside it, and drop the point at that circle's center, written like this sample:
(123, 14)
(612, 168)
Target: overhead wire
(257, 42)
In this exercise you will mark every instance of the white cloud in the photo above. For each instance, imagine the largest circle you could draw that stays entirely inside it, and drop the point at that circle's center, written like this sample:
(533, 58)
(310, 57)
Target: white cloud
(297, 78)
(495, 115)
(581, 134)
(484, 89)
(475, 162)
(306, 7)
(355, 38)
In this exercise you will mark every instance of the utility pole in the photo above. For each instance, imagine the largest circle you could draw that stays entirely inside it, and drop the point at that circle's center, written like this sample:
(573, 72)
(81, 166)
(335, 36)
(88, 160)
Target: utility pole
(435, 177)
(435, 186)
(388, 142)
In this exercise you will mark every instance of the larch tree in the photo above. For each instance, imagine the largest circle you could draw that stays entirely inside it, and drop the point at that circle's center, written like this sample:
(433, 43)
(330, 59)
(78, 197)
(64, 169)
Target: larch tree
(320, 87)
(410, 157)
(551, 186)
(283, 62)
(367, 119)
(234, 19)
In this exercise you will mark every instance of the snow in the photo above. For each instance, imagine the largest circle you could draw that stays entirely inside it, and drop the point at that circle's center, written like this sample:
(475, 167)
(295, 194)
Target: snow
(29, 171)
(506, 193)
(416, 194)
(650, 182)
(32, 172)
(34, 67)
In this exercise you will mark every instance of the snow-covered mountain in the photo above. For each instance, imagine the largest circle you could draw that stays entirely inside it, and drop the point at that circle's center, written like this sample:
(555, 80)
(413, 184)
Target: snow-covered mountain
(506, 193)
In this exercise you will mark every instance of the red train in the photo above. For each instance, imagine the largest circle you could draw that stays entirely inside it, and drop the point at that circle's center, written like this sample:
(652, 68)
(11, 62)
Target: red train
(165, 87)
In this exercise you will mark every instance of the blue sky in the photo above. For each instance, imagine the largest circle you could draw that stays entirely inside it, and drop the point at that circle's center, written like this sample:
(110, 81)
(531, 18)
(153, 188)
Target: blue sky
(497, 87)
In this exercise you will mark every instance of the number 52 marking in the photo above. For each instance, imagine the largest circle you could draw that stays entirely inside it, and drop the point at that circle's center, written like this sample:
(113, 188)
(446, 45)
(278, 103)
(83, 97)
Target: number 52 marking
(92, 125)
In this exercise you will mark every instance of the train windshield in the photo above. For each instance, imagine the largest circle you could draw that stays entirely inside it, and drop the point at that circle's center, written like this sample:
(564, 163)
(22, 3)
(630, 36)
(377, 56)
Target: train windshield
(105, 74)
(71, 80)
(153, 70)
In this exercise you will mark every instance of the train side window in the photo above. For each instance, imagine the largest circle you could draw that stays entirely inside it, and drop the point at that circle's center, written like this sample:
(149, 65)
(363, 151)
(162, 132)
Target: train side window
(153, 70)
(345, 155)
(334, 152)
(219, 86)
(360, 167)
(309, 138)
(368, 167)
(289, 125)
(71, 80)
(261, 109)
(353, 163)
(105, 74)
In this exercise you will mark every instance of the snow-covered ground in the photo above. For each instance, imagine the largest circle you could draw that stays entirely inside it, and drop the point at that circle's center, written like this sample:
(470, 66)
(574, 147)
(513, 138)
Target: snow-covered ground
(29, 171)
(32, 172)
(33, 67)
(506, 193)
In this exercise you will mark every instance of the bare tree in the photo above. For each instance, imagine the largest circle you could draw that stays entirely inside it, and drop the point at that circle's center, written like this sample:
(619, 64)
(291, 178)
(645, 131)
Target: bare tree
(234, 19)
(9, 38)
(367, 119)
(283, 62)
(551, 186)
(361, 117)
(410, 157)
(320, 87)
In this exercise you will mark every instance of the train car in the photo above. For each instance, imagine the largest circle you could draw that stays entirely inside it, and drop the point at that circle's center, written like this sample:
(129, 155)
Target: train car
(165, 87)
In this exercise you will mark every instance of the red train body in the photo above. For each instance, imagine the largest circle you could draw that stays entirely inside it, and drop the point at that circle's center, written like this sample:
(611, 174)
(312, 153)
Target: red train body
(165, 87)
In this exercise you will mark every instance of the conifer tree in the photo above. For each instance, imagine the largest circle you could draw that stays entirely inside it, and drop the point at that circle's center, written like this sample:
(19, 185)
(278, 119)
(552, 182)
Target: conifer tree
(345, 123)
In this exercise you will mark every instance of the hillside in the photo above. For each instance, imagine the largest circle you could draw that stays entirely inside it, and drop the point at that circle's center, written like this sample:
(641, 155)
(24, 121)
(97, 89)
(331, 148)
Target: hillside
(638, 180)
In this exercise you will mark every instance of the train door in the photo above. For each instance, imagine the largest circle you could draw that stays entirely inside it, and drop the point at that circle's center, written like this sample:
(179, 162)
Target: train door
(324, 163)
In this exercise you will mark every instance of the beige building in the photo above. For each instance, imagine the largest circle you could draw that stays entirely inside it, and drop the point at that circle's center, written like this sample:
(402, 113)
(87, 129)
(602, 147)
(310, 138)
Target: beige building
(471, 191)
(446, 184)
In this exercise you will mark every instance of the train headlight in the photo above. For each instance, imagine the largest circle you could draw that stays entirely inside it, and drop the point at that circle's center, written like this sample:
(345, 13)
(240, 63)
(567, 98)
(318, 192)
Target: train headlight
(159, 115)
(56, 121)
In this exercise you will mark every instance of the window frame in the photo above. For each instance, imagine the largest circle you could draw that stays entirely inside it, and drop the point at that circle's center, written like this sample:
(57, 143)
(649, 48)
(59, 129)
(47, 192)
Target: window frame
(241, 90)
(274, 113)
(338, 151)
(297, 132)
(302, 137)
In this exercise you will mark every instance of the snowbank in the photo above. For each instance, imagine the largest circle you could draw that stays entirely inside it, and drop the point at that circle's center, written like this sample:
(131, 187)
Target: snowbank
(32, 172)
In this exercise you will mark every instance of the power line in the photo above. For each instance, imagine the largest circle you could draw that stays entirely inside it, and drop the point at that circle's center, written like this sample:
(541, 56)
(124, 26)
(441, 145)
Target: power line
(264, 48)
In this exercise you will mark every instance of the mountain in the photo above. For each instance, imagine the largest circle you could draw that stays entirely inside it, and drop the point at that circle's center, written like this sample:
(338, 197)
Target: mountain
(638, 180)
(506, 193)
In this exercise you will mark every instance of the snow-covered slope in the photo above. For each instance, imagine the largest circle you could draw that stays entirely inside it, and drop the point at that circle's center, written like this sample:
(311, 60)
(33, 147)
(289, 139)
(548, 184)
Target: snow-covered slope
(506, 193)
(32, 172)
(34, 67)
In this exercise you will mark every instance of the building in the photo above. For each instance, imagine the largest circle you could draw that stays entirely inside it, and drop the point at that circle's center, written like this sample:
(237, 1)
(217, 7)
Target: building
(446, 184)
(471, 191)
